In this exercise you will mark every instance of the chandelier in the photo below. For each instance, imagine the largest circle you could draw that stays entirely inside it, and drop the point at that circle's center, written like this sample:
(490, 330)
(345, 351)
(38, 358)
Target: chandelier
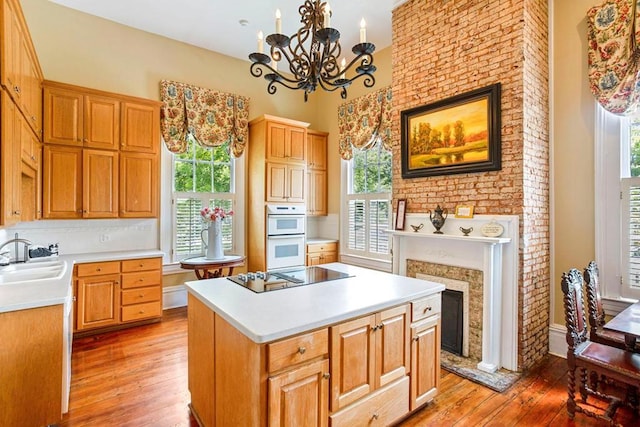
(310, 57)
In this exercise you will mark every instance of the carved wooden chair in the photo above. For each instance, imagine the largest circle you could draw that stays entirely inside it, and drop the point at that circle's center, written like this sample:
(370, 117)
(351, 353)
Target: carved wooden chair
(594, 360)
(596, 311)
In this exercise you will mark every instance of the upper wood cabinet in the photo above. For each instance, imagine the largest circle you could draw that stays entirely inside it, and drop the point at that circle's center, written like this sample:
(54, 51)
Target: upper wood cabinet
(20, 71)
(316, 202)
(317, 149)
(63, 117)
(138, 185)
(140, 127)
(286, 143)
(119, 171)
(10, 159)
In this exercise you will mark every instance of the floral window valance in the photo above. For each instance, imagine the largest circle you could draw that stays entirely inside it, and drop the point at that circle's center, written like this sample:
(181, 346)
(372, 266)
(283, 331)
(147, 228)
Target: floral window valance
(614, 69)
(211, 117)
(364, 122)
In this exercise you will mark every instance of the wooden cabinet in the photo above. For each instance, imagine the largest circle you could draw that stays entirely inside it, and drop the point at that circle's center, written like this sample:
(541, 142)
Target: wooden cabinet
(276, 174)
(80, 183)
(300, 397)
(368, 353)
(322, 253)
(285, 183)
(63, 116)
(20, 70)
(119, 136)
(117, 293)
(31, 360)
(285, 142)
(425, 350)
(10, 159)
(316, 202)
(140, 127)
(139, 185)
(98, 295)
(355, 373)
(141, 289)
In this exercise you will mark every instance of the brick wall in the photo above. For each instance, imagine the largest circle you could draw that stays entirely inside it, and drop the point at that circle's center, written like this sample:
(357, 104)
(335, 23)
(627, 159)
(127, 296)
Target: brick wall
(444, 48)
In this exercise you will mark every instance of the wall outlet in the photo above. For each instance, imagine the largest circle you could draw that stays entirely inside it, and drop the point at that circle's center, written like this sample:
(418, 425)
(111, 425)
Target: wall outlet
(104, 238)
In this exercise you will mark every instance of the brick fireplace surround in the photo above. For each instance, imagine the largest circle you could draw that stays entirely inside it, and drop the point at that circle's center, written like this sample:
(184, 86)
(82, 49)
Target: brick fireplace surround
(444, 48)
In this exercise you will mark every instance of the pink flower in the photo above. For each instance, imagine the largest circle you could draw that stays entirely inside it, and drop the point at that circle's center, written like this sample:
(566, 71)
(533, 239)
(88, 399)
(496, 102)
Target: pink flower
(209, 215)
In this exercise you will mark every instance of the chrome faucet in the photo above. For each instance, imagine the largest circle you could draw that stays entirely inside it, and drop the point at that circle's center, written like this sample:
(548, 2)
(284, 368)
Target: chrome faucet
(16, 241)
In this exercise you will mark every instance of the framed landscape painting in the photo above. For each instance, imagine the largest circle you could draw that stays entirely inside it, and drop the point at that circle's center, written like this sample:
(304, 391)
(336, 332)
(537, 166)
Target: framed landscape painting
(460, 134)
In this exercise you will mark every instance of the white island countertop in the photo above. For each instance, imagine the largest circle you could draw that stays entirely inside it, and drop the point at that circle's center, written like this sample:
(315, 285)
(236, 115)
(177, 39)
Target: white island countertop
(41, 293)
(268, 316)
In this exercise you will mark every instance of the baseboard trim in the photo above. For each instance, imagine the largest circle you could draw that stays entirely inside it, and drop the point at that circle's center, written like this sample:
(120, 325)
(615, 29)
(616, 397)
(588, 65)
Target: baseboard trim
(174, 297)
(558, 340)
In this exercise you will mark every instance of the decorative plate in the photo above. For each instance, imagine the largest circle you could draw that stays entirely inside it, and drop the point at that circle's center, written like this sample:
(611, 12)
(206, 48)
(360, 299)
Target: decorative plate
(492, 229)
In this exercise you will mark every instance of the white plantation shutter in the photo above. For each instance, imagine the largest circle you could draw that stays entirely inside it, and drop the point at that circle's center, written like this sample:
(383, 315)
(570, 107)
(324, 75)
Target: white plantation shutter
(356, 225)
(189, 225)
(378, 226)
(630, 237)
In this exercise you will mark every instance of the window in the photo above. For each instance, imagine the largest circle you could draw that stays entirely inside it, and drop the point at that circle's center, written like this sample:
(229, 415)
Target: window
(617, 207)
(201, 177)
(368, 204)
(630, 209)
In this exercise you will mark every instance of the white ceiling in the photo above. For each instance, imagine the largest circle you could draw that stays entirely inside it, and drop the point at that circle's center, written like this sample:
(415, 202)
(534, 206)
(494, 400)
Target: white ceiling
(215, 24)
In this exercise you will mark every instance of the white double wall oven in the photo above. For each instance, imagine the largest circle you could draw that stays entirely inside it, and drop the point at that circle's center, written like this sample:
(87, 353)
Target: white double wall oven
(286, 226)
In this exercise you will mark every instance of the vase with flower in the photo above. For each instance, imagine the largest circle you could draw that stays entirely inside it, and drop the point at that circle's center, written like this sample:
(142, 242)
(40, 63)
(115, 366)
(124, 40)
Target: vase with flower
(213, 218)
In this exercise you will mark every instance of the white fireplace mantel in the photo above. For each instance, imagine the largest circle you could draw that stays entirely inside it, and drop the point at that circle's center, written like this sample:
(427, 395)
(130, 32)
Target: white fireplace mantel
(496, 257)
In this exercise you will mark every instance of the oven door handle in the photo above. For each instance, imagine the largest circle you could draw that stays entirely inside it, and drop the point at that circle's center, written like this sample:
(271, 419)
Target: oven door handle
(285, 236)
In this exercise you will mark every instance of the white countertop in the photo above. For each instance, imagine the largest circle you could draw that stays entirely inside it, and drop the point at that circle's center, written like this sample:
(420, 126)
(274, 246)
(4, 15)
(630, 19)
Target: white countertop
(40, 293)
(277, 314)
(315, 240)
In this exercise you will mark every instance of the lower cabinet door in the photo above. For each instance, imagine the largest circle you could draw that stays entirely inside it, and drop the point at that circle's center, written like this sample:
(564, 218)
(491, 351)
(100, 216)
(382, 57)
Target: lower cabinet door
(300, 397)
(381, 408)
(98, 301)
(425, 361)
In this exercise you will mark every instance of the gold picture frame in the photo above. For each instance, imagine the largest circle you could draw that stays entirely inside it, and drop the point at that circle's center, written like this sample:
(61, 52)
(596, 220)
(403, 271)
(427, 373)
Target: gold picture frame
(464, 211)
(460, 134)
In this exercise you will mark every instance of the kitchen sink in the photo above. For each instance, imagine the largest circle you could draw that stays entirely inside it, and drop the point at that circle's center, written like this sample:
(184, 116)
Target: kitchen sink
(32, 271)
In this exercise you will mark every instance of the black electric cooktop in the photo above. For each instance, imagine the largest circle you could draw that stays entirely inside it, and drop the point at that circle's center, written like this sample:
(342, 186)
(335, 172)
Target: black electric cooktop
(270, 281)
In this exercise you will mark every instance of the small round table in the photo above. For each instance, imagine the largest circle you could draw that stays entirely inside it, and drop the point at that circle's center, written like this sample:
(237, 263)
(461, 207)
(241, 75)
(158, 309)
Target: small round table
(212, 268)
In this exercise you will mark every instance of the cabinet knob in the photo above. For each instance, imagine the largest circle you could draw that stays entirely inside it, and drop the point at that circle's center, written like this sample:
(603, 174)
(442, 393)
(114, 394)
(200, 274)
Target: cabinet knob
(16, 212)
(141, 296)
(141, 312)
(16, 89)
(326, 375)
(375, 416)
(301, 350)
(98, 269)
(427, 309)
(416, 339)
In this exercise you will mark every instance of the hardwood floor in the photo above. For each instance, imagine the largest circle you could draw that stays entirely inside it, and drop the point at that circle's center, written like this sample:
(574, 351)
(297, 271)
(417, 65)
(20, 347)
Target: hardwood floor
(138, 377)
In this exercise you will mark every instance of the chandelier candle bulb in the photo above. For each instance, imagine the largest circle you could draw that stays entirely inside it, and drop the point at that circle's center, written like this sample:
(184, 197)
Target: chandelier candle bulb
(278, 22)
(363, 31)
(327, 16)
(343, 64)
(260, 45)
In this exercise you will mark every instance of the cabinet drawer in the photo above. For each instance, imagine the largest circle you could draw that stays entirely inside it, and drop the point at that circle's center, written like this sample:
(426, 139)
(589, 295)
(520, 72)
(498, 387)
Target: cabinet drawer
(136, 296)
(141, 264)
(141, 311)
(322, 247)
(298, 349)
(98, 268)
(145, 278)
(380, 408)
(425, 307)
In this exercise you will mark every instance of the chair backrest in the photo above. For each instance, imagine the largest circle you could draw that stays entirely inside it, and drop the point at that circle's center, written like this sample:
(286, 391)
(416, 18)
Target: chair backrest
(574, 309)
(594, 297)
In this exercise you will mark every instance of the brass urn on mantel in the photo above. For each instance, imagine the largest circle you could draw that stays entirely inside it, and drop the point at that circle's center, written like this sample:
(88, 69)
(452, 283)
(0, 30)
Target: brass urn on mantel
(438, 217)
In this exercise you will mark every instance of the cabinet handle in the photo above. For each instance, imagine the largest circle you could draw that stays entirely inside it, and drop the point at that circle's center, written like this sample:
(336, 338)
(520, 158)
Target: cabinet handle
(375, 416)
(326, 375)
(301, 350)
(427, 309)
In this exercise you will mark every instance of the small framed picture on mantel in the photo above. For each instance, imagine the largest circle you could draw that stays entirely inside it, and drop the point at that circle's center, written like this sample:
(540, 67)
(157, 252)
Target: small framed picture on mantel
(401, 213)
(464, 211)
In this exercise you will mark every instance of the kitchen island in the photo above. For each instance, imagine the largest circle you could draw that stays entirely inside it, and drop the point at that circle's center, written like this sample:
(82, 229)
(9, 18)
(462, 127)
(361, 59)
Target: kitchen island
(362, 350)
